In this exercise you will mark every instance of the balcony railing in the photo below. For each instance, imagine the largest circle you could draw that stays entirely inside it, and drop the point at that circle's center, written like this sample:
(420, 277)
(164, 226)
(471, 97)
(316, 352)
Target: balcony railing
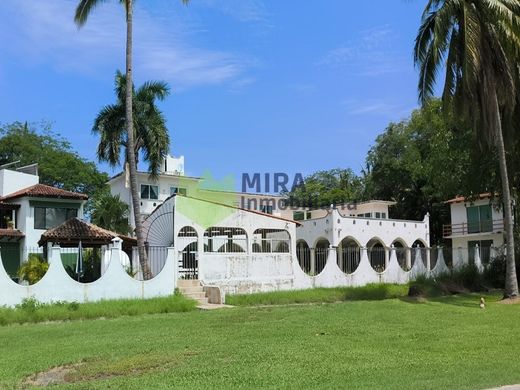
(485, 226)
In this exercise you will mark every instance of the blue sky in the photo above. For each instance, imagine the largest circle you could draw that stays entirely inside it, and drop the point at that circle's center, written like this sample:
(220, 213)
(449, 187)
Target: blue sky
(258, 85)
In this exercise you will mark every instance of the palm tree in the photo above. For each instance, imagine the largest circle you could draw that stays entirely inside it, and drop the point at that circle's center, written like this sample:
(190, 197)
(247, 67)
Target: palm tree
(110, 212)
(83, 11)
(478, 43)
(150, 132)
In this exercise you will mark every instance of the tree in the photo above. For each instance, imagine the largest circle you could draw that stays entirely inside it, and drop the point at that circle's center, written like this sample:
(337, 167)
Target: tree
(425, 160)
(58, 164)
(83, 11)
(323, 188)
(110, 212)
(150, 132)
(478, 43)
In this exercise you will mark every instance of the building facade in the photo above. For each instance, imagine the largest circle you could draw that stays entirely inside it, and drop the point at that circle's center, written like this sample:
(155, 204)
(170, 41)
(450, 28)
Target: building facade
(478, 222)
(27, 210)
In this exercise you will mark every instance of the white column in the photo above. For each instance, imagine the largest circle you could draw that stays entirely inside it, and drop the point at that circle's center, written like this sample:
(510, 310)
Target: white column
(313, 261)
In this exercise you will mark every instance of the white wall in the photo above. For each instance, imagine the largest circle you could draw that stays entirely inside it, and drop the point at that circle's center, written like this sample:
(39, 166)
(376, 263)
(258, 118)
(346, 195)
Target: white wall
(12, 181)
(115, 283)
(335, 227)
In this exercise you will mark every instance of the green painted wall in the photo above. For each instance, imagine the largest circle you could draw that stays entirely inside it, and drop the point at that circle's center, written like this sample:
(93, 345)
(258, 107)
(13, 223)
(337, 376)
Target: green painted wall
(10, 257)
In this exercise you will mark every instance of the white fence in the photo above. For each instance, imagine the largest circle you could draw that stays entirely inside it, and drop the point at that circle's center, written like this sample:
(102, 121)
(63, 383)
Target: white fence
(115, 283)
(268, 272)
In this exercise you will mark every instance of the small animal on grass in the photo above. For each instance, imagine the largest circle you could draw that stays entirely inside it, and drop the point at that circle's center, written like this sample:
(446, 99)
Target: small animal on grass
(482, 303)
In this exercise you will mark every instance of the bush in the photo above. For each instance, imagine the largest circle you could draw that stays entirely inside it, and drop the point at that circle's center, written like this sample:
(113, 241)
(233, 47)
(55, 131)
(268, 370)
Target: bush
(495, 271)
(463, 279)
(33, 269)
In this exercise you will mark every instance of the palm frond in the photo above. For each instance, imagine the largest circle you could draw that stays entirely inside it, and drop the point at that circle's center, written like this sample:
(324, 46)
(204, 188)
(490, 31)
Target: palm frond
(84, 9)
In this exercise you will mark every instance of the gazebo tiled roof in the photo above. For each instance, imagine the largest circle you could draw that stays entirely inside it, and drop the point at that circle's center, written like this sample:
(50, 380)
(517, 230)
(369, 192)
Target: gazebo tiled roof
(44, 191)
(11, 234)
(74, 230)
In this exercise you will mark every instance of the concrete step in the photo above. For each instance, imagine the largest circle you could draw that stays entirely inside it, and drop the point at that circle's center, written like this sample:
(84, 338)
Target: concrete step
(190, 290)
(196, 295)
(187, 283)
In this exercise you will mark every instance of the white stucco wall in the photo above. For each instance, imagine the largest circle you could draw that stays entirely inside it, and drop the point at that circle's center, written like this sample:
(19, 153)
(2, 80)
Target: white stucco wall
(115, 283)
(335, 227)
(12, 181)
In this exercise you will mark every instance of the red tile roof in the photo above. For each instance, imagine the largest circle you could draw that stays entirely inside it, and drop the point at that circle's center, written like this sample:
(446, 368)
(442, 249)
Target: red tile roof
(460, 199)
(44, 191)
(11, 233)
(75, 230)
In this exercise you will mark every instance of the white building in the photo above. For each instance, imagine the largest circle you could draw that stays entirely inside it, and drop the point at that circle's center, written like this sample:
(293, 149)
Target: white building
(27, 210)
(171, 180)
(474, 222)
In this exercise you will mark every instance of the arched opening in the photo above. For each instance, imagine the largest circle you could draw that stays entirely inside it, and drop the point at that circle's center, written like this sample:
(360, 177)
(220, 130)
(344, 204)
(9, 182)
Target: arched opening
(225, 240)
(348, 255)
(188, 264)
(420, 246)
(271, 241)
(402, 252)
(303, 254)
(321, 252)
(377, 254)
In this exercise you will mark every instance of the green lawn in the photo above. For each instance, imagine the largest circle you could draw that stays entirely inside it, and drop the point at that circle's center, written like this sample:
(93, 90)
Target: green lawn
(395, 343)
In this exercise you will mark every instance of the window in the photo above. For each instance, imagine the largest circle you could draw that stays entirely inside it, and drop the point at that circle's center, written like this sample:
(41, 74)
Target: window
(479, 219)
(49, 217)
(149, 192)
(378, 215)
(383, 215)
(298, 215)
(177, 190)
(309, 215)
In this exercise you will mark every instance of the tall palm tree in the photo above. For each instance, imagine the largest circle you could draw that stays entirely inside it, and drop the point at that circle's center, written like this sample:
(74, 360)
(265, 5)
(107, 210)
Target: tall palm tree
(478, 43)
(83, 11)
(150, 132)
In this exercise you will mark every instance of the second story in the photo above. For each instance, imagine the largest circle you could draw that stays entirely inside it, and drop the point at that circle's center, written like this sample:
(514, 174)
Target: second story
(29, 208)
(474, 217)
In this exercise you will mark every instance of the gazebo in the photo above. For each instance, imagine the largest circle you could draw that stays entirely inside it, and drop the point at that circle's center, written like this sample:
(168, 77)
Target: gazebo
(73, 231)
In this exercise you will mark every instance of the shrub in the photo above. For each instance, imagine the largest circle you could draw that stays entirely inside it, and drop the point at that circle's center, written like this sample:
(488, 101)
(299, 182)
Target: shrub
(29, 305)
(33, 269)
(495, 271)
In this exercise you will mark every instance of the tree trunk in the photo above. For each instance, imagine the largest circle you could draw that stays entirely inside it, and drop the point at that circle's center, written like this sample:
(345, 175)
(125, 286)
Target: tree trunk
(143, 258)
(511, 287)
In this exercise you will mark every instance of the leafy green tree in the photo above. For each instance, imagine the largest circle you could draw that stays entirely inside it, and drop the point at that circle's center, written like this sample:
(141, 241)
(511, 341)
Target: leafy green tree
(425, 160)
(150, 133)
(83, 11)
(58, 164)
(33, 270)
(110, 212)
(323, 188)
(477, 43)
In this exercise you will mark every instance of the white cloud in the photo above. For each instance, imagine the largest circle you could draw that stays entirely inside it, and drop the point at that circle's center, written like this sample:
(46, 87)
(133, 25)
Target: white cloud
(44, 32)
(372, 53)
(377, 107)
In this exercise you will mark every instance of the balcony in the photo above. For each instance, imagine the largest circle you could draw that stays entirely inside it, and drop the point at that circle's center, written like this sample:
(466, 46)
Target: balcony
(463, 229)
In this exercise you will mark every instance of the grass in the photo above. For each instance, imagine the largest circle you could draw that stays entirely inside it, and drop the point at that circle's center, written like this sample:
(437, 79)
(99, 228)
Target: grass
(321, 295)
(444, 343)
(33, 311)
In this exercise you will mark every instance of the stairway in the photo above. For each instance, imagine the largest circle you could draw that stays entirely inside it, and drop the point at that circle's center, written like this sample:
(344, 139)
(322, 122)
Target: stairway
(192, 289)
